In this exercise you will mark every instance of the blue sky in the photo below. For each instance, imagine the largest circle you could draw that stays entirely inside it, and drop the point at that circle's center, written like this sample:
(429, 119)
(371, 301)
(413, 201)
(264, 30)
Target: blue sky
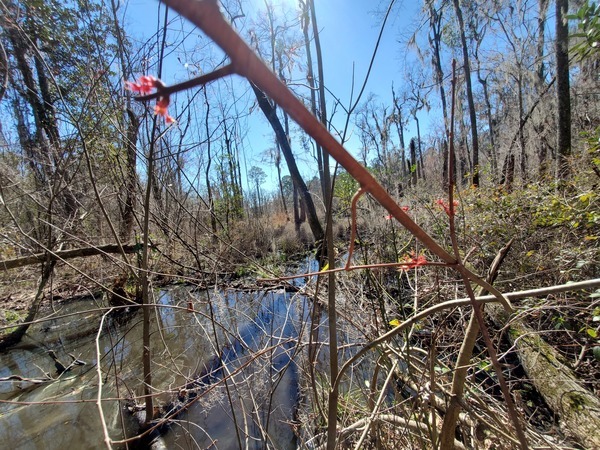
(349, 30)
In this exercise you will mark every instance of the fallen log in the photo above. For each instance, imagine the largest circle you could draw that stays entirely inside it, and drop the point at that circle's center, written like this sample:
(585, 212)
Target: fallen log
(577, 408)
(67, 254)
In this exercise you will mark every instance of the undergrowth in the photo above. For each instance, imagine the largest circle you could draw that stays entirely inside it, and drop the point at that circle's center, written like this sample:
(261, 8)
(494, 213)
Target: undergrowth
(555, 234)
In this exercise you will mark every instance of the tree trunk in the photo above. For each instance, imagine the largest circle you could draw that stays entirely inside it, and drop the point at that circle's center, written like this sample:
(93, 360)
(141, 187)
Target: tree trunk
(296, 206)
(508, 172)
(540, 81)
(128, 209)
(213, 220)
(325, 176)
(563, 89)
(37, 93)
(541, 39)
(421, 164)
(522, 146)
(310, 79)
(471, 102)
(271, 115)
(278, 166)
(400, 130)
(231, 185)
(435, 38)
(435, 25)
(413, 162)
(445, 166)
(488, 113)
(130, 137)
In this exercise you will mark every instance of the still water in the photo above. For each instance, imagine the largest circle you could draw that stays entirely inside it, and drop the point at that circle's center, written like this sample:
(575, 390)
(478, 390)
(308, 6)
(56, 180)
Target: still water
(230, 352)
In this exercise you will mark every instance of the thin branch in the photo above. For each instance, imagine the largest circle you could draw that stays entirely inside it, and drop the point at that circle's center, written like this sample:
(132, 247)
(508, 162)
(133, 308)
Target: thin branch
(382, 395)
(107, 440)
(194, 82)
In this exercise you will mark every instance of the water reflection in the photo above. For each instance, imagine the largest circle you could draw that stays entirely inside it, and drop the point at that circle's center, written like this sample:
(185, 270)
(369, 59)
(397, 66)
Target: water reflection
(238, 369)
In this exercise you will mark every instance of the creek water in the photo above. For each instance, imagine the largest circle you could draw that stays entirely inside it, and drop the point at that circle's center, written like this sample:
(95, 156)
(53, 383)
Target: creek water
(228, 356)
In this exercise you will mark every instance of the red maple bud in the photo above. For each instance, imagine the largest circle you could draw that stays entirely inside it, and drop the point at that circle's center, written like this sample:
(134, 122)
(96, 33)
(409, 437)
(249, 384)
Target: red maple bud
(411, 261)
(389, 217)
(161, 107)
(143, 86)
(404, 208)
(444, 205)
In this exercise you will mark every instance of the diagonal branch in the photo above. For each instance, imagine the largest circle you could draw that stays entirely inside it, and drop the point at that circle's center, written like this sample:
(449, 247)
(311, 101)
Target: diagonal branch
(188, 84)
